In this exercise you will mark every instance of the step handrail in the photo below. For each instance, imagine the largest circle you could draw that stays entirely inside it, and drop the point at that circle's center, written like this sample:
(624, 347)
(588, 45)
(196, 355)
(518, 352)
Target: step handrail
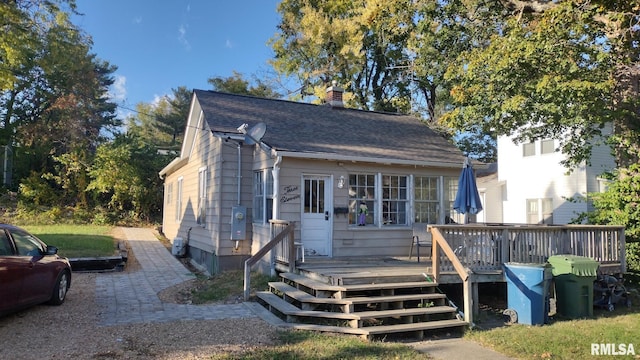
(465, 273)
(264, 250)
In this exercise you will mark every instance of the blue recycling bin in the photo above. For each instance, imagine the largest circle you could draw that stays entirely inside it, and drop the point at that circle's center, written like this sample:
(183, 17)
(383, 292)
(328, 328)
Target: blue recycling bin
(528, 291)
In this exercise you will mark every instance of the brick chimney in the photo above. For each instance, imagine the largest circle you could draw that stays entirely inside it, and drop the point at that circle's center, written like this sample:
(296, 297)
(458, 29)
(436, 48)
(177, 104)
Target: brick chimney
(334, 95)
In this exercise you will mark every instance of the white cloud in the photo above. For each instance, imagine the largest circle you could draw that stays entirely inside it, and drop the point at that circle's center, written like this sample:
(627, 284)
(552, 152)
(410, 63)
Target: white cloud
(118, 90)
(182, 36)
(157, 99)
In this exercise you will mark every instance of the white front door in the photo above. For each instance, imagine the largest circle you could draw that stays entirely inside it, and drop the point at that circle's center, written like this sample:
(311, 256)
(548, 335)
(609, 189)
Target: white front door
(317, 209)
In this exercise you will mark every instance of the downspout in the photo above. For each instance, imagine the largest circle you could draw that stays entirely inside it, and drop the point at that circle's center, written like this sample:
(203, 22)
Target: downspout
(239, 181)
(239, 169)
(276, 207)
(276, 186)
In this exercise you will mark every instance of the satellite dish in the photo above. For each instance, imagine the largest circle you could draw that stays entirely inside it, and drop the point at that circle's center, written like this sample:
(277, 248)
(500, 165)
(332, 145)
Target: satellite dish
(255, 134)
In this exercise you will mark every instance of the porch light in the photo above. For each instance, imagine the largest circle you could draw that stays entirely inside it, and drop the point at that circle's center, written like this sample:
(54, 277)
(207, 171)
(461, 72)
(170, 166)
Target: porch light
(341, 182)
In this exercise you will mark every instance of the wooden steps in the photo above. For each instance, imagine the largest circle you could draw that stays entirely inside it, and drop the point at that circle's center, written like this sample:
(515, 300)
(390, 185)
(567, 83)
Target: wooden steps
(364, 309)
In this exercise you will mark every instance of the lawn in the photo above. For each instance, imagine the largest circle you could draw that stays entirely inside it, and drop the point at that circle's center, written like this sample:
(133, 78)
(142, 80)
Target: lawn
(75, 241)
(311, 345)
(567, 339)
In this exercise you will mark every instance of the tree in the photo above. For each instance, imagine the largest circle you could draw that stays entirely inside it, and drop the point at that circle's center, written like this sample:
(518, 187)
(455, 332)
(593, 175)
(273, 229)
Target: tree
(54, 100)
(173, 121)
(125, 175)
(551, 70)
(237, 84)
(360, 44)
(162, 123)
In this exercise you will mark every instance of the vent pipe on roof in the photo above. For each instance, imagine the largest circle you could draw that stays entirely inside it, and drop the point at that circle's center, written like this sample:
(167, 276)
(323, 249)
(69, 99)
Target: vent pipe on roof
(334, 95)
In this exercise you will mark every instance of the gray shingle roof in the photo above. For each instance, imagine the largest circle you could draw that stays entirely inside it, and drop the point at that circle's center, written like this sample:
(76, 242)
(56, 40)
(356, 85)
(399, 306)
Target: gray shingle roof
(321, 129)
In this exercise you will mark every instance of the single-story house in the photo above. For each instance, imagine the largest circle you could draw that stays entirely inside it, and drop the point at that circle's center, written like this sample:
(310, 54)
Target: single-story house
(354, 182)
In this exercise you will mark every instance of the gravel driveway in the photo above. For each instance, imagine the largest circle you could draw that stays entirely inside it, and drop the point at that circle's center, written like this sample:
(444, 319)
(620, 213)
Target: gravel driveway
(77, 330)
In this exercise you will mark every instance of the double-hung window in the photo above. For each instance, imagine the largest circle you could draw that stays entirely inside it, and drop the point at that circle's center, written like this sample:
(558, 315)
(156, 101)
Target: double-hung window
(362, 199)
(547, 146)
(262, 196)
(394, 200)
(169, 193)
(378, 199)
(201, 219)
(426, 199)
(450, 192)
(540, 211)
(179, 199)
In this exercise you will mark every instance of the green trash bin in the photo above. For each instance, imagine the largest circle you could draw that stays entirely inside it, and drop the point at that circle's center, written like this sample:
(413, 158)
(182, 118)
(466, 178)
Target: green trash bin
(573, 277)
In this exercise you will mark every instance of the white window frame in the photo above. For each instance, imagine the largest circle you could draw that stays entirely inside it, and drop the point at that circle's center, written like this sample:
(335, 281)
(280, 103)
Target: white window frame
(395, 193)
(179, 186)
(544, 146)
(528, 149)
(539, 211)
(169, 193)
(262, 196)
(424, 197)
(365, 192)
(201, 217)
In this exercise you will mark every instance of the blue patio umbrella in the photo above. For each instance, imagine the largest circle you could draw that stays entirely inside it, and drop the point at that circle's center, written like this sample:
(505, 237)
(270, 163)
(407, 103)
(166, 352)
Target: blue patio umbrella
(467, 199)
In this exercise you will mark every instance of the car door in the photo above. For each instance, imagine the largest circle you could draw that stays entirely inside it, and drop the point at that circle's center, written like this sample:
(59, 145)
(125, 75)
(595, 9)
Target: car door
(11, 268)
(36, 276)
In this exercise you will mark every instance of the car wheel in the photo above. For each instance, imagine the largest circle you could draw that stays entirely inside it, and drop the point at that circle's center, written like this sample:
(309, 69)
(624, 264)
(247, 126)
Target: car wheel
(60, 290)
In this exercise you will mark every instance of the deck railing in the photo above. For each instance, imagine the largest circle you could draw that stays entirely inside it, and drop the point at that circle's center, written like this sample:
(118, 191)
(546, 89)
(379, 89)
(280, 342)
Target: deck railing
(282, 249)
(487, 247)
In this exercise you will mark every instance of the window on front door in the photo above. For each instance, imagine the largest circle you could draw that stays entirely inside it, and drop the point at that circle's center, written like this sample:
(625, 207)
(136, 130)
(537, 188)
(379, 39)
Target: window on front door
(314, 196)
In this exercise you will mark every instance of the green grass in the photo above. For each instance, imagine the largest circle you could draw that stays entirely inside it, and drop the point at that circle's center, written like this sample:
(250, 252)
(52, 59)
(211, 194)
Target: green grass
(310, 345)
(566, 339)
(76, 240)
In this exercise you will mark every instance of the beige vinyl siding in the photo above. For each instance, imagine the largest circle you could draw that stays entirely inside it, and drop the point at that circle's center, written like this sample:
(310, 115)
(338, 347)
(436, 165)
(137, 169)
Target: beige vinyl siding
(370, 240)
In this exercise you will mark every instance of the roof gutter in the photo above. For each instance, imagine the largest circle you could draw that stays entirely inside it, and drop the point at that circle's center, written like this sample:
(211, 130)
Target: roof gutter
(385, 161)
(175, 164)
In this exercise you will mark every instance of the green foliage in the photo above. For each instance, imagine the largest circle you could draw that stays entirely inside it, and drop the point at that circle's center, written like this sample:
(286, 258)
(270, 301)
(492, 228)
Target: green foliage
(364, 47)
(633, 257)
(162, 123)
(125, 175)
(236, 84)
(35, 191)
(618, 205)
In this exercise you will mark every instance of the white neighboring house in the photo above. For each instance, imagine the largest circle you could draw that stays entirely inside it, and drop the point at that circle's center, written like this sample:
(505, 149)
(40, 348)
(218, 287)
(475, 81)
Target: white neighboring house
(532, 186)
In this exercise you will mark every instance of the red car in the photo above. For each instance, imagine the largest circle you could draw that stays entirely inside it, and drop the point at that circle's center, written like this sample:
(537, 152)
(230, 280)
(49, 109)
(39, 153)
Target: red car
(31, 272)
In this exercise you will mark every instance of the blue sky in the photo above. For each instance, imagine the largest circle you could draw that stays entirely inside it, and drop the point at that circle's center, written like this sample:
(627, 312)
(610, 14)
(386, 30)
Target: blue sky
(160, 45)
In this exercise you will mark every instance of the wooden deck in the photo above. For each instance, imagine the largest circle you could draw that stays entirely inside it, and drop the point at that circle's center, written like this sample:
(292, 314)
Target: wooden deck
(397, 287)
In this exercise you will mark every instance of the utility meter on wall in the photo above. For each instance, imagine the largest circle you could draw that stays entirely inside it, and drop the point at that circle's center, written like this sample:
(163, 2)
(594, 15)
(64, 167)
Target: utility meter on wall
(239, 223)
